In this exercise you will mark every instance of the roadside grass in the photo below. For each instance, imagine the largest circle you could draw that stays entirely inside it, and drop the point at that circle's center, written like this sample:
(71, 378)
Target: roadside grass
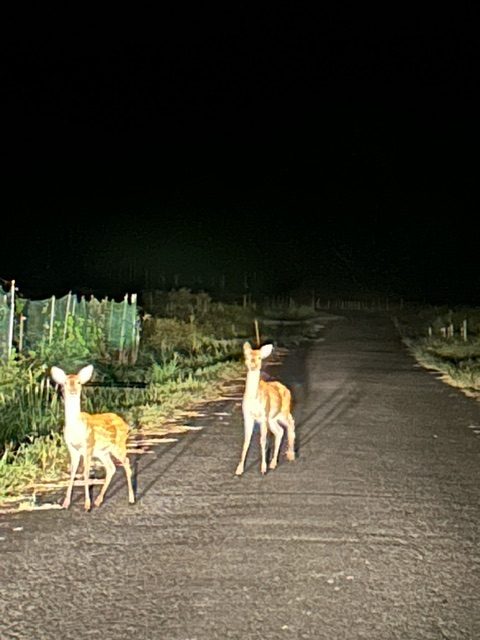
(459, 364)
(40, 460)
(289, 312)
(434, 337)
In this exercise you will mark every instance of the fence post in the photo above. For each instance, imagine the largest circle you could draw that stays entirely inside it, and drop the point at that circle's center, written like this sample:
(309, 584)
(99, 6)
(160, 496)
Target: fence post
(20, 336)
(11, 320)
(67, 311)
(122, 329)
(52, 320)
(110, 322)
(135, 331)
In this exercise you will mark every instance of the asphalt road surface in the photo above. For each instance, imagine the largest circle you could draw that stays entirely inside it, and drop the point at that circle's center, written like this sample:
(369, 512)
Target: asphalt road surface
(373, 532)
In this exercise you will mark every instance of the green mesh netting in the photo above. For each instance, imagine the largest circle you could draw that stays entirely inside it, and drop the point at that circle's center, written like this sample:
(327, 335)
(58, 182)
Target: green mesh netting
(45, 319)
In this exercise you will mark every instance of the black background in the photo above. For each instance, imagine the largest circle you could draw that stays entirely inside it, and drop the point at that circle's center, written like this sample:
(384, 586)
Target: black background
(313, 148)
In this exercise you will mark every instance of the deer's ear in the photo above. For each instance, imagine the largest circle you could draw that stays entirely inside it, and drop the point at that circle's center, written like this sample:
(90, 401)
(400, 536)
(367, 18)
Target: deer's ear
(58, 375)
(247, 347)
(85, 374)
(266, 350)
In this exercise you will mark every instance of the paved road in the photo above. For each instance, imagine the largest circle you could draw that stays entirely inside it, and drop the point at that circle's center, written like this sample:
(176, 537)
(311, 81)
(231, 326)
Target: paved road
(373, 532)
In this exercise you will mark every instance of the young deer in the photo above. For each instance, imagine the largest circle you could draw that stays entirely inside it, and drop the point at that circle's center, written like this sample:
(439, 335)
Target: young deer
(91, 435)
(268, 403)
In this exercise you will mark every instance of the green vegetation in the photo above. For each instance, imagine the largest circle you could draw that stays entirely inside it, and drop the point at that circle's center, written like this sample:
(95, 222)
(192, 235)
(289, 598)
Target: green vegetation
(290, 312)
(43, 459)
(447, 341)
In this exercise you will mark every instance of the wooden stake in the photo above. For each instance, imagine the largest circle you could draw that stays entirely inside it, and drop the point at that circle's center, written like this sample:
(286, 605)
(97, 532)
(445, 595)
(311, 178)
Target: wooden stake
(257, 332)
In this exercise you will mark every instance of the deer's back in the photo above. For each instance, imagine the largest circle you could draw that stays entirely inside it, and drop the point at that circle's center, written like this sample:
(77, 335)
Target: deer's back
(106, 428)
(275, 397)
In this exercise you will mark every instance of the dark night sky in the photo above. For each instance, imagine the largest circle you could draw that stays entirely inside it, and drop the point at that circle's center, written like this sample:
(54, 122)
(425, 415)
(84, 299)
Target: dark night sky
(316, 149)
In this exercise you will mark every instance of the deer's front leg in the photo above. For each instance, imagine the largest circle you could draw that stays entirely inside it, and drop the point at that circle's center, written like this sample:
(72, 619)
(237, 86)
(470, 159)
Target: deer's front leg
(248, 423)
(87, 459)
(74, 462)
(277, 431)
(263, 445)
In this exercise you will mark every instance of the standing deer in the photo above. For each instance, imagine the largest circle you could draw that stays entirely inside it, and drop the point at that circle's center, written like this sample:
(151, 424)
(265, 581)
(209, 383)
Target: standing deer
(91, 435)
(268, 403)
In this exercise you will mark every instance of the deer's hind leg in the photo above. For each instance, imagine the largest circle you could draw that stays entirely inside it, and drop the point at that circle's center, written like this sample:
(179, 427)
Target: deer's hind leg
(128, 473)
(120, 453)
(291, 437)
(106, 459)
